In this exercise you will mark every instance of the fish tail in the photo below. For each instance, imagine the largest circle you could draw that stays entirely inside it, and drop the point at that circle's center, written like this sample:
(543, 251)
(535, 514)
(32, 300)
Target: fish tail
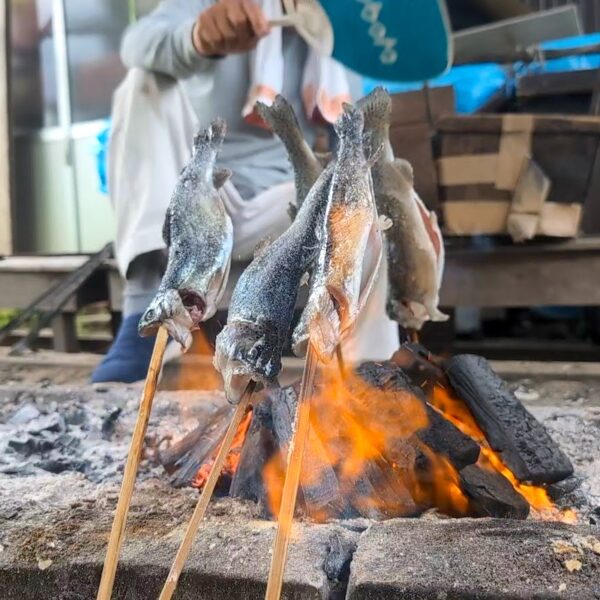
(281, 118)
(211, 138)
(377, 108)
(350, 126)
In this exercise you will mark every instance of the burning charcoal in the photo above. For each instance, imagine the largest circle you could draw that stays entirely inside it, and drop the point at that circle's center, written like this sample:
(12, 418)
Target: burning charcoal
(441, 435)
(183, 459)
(259, 446)
(324, 495)
(523, 443)
(492, 495)
(27, 412)
(52, 422)
(109, 422)
(417, 363)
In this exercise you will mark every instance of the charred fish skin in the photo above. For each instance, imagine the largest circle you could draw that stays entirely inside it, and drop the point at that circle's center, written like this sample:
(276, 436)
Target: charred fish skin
(198, 233)
(335, 297)
(262, 305)
(415, 246)
(282, 120)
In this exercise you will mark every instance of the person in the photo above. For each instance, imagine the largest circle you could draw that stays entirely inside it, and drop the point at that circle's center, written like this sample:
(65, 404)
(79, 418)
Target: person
(190, 61)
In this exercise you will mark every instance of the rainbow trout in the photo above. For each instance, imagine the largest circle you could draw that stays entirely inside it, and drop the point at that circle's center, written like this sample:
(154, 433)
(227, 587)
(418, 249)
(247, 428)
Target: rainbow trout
(415, 247)
(282, 120)
(350, 256)
(262, 306)
(199, 235)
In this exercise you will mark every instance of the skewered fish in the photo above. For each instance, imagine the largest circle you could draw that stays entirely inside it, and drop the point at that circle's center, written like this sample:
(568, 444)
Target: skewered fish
(199, 235)
(350, 256)
(415, 246)
(262, 306)
(282, 120)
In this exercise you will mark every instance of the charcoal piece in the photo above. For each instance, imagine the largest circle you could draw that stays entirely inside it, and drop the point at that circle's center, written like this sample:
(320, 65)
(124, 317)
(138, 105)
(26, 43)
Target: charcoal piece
(441, 435)
(259, 446)
(322, 495)
(183, 459)
(340, 551)
(492, 495)
(559, 490)
(27, 412)
(523, 442)
(444, 438)
(62, 464)
(109, 422)
(419, 365)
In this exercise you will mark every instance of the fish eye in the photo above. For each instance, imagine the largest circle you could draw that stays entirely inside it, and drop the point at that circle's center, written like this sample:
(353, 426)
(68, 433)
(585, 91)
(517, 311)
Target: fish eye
(150, 315)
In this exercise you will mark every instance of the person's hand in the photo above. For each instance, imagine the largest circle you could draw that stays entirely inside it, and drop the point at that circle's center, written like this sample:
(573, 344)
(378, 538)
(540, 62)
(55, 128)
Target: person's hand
(228, 27)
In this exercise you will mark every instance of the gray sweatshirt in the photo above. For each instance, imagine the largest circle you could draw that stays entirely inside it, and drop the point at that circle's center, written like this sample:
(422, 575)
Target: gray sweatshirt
(162, 42)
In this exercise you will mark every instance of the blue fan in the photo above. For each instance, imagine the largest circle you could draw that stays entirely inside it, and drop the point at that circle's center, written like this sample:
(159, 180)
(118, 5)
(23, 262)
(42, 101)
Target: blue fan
(390, 40)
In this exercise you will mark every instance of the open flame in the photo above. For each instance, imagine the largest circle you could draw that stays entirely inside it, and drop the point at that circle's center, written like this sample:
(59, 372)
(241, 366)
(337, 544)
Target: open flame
(361, 432)
(365, 439)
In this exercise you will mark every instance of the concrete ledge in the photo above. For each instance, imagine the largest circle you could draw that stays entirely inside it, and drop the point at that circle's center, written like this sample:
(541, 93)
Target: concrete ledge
(474, 559)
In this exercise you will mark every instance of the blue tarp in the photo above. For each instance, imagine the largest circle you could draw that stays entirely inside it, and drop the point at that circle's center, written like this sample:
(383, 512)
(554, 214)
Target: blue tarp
(102, 139)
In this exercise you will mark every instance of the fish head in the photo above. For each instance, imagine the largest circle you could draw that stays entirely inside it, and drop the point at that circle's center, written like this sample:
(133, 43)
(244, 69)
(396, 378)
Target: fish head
(410, 316)
(168, 309)
(247, 351)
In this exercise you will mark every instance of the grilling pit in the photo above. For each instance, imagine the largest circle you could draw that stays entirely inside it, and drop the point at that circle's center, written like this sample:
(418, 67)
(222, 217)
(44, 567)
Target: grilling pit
(396, 451)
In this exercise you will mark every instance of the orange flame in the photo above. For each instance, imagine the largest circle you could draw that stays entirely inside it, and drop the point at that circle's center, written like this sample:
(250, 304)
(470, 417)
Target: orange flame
(361, 433)
(233, 458)
(196, 371)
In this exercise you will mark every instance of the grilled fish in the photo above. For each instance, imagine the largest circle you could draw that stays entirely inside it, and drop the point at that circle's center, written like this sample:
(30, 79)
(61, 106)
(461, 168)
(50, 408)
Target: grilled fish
(199, 235)
(350, 256)
(415, 246)
(282, 120)
(262, 306)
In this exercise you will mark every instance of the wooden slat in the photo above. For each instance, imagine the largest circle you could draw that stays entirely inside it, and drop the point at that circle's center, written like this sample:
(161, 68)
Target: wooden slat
(545, 84)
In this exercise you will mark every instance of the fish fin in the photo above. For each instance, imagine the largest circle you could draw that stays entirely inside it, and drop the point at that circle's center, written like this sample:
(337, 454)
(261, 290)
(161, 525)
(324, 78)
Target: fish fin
(377, 107)
(166, 230)
(435, 314)
(220, 176)
(324, 158)
(305, 279)
(212, 136)
(280, 116)
(262, 246)
(385, 223)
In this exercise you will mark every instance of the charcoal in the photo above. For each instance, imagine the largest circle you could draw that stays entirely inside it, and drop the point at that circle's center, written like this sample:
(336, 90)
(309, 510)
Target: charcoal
(27, 412)
(75, 415)
(337, 563)
(523, 442)
(492, 495)
(109, 422)
(441, 435)
(559, 490)
(62, 464)
(183, 459)
(323, 497)
(419, 366)
(259, 446)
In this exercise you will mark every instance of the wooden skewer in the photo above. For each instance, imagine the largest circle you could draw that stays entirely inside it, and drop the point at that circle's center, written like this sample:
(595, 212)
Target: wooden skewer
(292, 477)
(207, 492)
(131, 467)
(340, 359)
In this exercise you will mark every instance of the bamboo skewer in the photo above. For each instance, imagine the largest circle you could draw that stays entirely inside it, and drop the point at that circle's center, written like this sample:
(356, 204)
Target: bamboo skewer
(292, 478)
(207, 492)
(131, 467)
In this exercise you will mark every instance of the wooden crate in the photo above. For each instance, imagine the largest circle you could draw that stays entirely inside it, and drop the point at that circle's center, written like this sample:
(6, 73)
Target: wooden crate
(540, 172)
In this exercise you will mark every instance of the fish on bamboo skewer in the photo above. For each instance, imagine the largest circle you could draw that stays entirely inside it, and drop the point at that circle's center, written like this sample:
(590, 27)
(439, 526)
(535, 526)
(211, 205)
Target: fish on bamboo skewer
(351, 254)
(282, 120)
(198, 233)
(415, 246)
(262, 305)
